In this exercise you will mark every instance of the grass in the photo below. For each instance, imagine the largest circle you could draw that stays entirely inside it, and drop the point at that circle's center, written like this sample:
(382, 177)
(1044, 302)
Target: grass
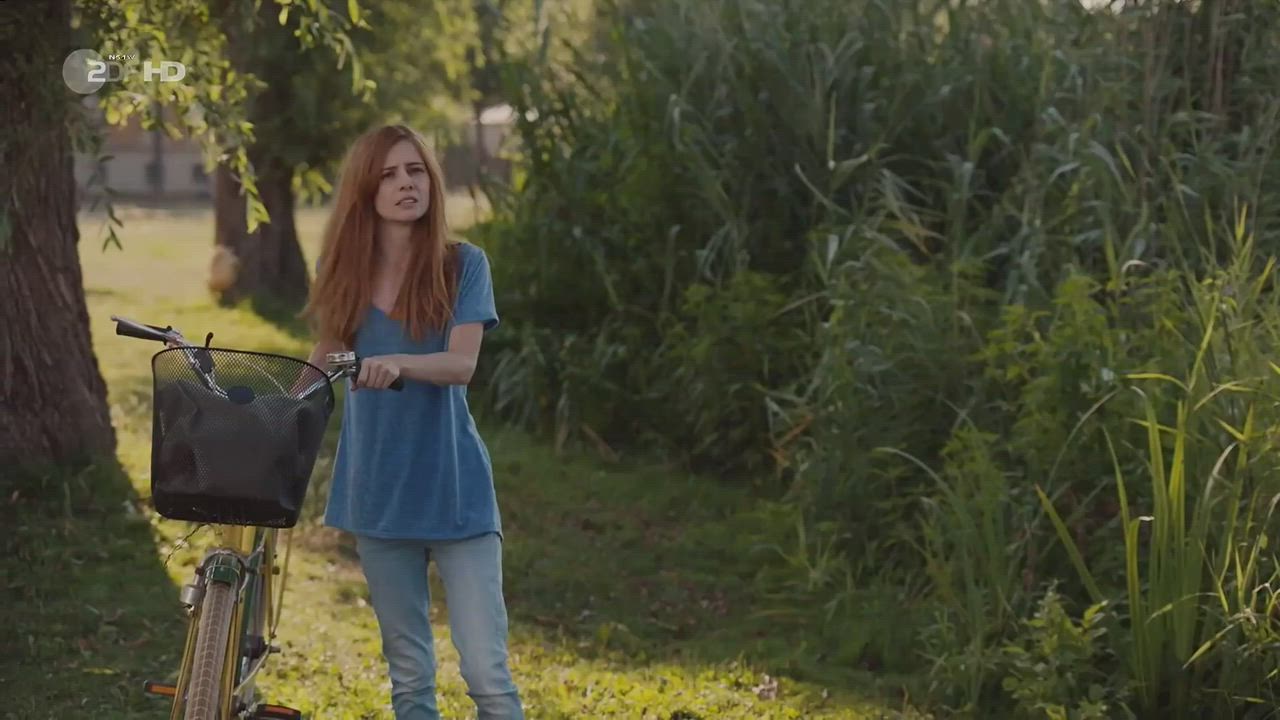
(631, 587)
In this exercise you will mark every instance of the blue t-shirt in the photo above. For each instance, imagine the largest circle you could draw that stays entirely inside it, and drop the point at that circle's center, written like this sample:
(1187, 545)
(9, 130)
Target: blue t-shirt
(411, 464)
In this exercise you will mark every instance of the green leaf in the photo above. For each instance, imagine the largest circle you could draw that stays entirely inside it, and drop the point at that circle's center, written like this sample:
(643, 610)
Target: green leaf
(840, 171)
(1238, 435)
(353, 9)
(111, 240)
(1068, 542)
(1155, 376)
(257, 212)
(284, 15)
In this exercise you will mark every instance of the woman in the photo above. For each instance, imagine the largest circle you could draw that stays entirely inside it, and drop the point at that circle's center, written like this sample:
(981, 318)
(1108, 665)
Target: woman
(412, 479)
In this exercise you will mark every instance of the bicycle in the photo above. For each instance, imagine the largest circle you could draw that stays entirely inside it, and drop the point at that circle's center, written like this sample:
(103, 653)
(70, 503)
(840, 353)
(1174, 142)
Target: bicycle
(210, 407)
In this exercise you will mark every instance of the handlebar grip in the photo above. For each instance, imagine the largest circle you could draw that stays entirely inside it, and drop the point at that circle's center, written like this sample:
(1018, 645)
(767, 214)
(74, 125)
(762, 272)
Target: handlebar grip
(397, 384)
(132, 329)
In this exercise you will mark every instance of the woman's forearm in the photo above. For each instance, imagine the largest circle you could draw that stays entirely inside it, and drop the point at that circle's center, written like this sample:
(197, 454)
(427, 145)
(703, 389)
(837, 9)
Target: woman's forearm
(317, 358)
(440, 368)
(323, 348)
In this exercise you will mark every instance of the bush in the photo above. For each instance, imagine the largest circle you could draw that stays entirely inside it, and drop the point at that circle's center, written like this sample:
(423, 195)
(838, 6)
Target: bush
(1060, 669)
(912, 257)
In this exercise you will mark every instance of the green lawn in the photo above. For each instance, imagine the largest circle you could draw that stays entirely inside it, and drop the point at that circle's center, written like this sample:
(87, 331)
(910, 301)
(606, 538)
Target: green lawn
(630, 586)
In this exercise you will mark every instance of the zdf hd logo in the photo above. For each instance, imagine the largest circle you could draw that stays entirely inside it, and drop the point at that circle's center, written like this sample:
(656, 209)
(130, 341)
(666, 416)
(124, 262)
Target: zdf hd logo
(85, 71)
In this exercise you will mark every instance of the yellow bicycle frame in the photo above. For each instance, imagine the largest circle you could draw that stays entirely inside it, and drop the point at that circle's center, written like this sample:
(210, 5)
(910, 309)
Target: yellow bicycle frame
(243, 540)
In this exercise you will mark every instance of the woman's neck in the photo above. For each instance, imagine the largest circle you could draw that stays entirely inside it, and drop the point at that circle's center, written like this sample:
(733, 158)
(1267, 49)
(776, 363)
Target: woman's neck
(393, 243)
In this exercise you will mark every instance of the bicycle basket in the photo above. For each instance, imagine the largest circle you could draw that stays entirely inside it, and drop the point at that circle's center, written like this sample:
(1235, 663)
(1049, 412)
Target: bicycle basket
(238, 450)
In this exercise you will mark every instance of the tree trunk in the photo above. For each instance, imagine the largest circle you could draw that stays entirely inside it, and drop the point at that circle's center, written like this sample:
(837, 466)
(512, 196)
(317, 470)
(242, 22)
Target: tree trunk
(53, 401)
(479, 155)
(269, 264)
(157, 162)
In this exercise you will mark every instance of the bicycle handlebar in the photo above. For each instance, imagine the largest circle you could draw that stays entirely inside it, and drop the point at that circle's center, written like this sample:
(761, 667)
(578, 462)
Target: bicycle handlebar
(347, 365)
(397, 384)
(129, 328)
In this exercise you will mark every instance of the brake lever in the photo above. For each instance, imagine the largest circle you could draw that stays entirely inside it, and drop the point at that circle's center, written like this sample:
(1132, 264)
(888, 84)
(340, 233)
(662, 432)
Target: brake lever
(348, 364)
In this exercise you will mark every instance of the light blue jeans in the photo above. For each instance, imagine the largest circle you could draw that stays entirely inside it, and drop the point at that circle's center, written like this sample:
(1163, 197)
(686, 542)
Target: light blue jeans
(472, 573)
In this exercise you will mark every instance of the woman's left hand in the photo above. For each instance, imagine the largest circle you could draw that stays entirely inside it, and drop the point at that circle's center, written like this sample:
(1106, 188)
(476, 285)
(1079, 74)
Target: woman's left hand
(378, 372)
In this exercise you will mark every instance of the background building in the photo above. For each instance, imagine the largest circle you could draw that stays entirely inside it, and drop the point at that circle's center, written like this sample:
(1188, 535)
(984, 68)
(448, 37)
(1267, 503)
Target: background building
(149, 166)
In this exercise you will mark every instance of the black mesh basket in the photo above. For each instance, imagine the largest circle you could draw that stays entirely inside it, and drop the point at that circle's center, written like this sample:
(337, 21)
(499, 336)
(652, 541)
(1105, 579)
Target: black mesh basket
(231, 443)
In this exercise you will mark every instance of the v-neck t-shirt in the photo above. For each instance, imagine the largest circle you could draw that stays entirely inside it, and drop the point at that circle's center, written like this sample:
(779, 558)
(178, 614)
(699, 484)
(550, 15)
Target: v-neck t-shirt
(411, 464)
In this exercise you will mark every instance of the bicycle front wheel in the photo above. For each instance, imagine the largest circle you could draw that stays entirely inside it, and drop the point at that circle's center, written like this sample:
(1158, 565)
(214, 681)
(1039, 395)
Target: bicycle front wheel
(205, 688)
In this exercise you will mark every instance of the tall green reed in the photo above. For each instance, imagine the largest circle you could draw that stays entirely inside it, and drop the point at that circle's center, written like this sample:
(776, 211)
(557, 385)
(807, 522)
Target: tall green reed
(1208, 429)
(769, 238)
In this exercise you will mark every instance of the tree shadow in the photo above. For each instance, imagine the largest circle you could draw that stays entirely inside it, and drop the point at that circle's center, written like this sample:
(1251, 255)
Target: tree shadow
(90, 610)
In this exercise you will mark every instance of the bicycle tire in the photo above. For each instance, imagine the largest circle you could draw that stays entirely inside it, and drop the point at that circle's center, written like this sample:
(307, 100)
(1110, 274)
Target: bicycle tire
(205, 688)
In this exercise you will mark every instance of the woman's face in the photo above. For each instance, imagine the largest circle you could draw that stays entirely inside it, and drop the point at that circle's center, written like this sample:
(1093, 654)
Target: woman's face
(404, 191)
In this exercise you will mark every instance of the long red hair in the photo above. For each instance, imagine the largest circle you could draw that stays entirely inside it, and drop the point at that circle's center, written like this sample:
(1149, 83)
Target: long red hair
(343, 290)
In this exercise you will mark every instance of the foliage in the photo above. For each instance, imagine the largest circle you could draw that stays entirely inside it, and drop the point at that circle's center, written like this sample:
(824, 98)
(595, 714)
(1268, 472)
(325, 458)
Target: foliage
(210, 104)
(971, 557)
(1058, 669)
(954, 254)
(1209, 441)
